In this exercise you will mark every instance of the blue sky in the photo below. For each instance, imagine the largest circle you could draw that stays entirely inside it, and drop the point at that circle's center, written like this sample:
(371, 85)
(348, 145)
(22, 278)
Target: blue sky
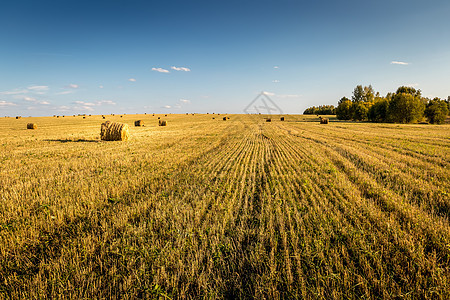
(116, 56)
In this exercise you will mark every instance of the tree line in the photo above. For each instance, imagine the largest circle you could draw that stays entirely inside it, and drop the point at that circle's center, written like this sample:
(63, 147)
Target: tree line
(320, 110)
(406, 105)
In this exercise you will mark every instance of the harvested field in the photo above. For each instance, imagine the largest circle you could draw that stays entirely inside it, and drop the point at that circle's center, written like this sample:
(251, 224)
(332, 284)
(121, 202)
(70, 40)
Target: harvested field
(241, 209)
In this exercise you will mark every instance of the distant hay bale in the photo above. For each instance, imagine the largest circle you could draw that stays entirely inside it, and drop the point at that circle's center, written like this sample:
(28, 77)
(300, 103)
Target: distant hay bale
(114, 131)
(282, 119)
(121, 116)
(213, 118)
(228, 118)
(103, 117)
(165, 115)
(268, 120)
(224, 118)
(18, 117)
(323, 120)
(162, 123)
(84, 117)
(139, 123)
(31, 126)
(159, 118)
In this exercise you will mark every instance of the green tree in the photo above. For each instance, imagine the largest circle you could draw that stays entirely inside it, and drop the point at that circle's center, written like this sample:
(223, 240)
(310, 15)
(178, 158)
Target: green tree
(406, 107)
(378, 112)
(358, 94)
(360, 110)
(344, 109)
(363, 94)
(436, 111)
(409, 90)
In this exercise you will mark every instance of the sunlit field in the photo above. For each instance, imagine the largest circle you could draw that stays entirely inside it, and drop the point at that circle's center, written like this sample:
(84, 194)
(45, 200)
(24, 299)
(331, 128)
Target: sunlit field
(206, 208)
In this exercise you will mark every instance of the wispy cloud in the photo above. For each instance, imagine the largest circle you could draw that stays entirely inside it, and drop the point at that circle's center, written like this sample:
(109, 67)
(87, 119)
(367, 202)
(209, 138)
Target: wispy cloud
(160, 70)
(276, 67)
(185, 101)
(167, 106)
(100, 86)
(268, 93)
(30, 99)
(72, 86)
(4, 103)
(394, 62)
(180, 69)
(275, 81)
(38, 88)
(65, 92)
(14, 92)
(44, 102)
(132, 79)
(106, 102)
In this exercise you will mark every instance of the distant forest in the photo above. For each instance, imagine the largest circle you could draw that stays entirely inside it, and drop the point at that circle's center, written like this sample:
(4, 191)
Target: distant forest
(406, 105)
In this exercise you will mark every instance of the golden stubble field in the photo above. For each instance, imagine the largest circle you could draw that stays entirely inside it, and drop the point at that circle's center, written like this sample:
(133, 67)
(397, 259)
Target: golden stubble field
(208, 208)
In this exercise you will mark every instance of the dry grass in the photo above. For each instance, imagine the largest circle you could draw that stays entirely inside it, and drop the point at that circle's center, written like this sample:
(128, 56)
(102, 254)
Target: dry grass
(234, 210)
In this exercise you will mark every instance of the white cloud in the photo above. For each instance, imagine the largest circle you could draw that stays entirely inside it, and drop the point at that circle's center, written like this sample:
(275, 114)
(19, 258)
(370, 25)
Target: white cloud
(63, 108)
(132, 79)
(268, 93)
(100, 86)
(38, 88)
(186, 101)
(84, 103)
(275, 81)
(180, 69)
(14, 92)
(276, 67)
(89, 108)
(73, 86)
(44, 102)
(4, 103)
(160, 70)
(30, 99)
(167, 106)
(399, 63)
(107, 102)
(64, 93)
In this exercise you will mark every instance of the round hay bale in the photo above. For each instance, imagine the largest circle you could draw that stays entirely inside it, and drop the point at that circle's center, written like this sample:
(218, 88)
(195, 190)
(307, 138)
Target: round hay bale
(224, 118)
(18, 117)
(162, 123)
(114, 131)
(323, 120)
(84, 117)
(139, 123)
(268, 120)
(282, 119)
(165, 115)
(159, 118)
(31, 126)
